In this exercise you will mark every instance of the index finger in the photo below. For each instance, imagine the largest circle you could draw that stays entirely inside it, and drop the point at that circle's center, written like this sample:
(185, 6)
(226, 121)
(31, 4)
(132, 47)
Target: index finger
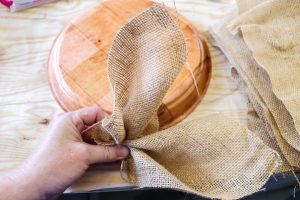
(88, 116)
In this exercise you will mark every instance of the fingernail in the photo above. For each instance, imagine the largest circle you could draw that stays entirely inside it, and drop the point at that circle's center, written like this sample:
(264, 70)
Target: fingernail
(122, 152)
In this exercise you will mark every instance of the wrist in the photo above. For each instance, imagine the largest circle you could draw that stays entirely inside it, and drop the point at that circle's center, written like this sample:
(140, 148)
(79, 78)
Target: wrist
(24, 183)
(20, 184)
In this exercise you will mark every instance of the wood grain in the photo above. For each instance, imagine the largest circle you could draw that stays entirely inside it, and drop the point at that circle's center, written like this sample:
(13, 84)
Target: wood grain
(27, 104)
(78, 71)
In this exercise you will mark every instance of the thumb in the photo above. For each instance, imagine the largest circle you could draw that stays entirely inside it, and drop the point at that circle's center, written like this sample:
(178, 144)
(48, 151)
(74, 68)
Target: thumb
(101, 153)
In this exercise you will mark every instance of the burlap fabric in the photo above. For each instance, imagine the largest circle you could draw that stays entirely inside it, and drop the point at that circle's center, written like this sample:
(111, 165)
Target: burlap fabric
(212, 156)
(268, 70)
(271, 31)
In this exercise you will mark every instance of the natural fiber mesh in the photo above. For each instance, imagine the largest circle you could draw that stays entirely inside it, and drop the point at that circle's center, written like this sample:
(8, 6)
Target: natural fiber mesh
(151, 40)
(258, 89)
(212, 156)
(207, 156)
(257, 122)
(274, 27)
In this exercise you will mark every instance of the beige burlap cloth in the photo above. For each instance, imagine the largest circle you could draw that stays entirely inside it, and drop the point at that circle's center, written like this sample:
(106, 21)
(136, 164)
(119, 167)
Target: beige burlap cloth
(212, 156)
(272, 34)
(263, 45)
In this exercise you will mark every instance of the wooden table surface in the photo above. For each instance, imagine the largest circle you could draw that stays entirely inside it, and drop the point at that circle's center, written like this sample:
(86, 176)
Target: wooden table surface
(27, 104)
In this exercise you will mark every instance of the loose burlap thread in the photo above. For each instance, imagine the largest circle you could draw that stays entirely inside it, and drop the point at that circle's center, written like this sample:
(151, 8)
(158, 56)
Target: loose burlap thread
(212, 156)
(263, 47)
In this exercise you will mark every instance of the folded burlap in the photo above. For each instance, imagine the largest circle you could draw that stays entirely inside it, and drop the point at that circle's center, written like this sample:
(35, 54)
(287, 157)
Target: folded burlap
(267, 70)
(212, 156)
(271, 31)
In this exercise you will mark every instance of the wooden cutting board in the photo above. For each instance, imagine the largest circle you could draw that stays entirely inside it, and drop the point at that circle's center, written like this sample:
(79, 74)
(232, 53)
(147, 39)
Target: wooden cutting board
(78, 62)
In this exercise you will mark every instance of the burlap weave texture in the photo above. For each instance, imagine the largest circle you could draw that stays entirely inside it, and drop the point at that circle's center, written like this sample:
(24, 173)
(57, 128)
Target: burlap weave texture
(268, 70)
(212, 156)
(271, 31)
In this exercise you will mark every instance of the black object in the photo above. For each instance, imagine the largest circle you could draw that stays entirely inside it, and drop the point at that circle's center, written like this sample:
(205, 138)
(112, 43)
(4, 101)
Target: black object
(278, 187)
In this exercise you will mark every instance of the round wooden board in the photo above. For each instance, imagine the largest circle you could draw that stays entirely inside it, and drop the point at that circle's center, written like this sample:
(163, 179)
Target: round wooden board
(78, 62)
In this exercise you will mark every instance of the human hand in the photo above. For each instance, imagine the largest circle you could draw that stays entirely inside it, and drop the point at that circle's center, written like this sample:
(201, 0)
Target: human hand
(62, 157)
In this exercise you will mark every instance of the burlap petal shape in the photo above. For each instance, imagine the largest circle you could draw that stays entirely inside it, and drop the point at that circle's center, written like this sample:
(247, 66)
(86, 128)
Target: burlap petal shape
(212, 156)
(151, 40)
